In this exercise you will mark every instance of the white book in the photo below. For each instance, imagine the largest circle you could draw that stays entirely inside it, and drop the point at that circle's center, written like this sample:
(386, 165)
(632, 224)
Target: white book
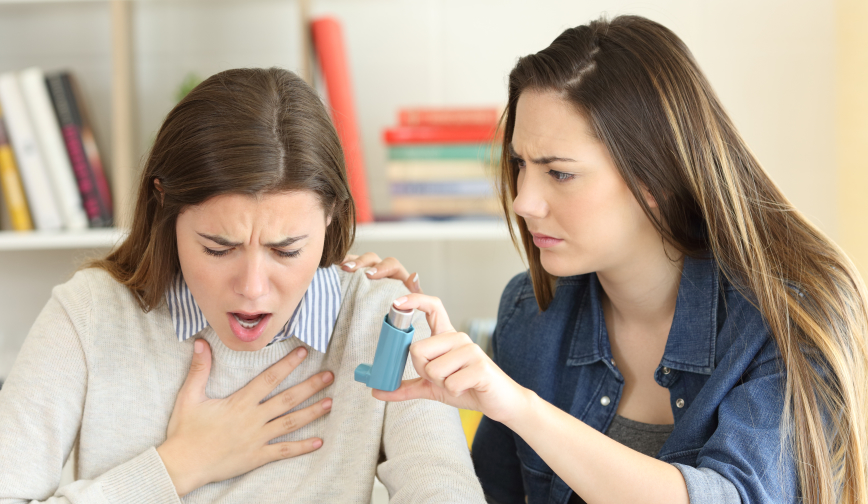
(34, 175)
(53, 148)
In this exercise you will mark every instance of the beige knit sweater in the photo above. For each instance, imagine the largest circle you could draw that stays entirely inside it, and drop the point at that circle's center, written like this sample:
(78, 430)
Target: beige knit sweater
(98, 370)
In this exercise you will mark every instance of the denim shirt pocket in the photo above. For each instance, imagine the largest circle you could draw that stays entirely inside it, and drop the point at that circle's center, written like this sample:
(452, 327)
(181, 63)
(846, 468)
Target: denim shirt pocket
(536, 484)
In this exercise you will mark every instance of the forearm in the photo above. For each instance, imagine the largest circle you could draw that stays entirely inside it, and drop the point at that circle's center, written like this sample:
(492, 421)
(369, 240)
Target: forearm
(596, 467)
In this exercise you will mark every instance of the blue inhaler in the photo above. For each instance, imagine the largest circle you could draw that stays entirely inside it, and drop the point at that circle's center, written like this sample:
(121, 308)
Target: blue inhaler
(392, 349)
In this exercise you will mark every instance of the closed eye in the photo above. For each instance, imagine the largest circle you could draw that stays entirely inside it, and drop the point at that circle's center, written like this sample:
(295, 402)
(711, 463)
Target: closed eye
(517, 162)
(216, 253)
(287, 253)
(560, 176)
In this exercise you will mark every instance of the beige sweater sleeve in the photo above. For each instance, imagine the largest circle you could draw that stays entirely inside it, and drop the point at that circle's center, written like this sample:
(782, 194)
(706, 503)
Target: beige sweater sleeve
(427, 460)
(41, 406)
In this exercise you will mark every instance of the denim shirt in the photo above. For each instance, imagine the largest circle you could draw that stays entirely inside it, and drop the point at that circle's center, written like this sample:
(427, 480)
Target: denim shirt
(721, 366)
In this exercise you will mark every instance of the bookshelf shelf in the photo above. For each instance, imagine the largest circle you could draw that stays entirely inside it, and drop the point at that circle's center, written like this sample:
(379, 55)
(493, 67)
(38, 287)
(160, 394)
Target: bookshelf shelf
(414, 231)
(42, 240)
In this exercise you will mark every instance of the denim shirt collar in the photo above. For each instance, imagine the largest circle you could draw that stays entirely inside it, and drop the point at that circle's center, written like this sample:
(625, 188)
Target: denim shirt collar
(691, 343)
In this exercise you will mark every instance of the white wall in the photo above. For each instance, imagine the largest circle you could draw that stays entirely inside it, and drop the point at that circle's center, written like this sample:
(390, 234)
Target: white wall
(771, 62)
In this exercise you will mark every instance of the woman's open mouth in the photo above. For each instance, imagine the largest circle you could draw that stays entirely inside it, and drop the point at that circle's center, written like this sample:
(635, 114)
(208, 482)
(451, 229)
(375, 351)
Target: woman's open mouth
(248, 326)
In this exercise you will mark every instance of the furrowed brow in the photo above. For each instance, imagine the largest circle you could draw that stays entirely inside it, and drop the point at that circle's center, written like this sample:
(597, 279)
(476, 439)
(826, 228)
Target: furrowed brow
(219, 240)
(286, 242)
(543, 160)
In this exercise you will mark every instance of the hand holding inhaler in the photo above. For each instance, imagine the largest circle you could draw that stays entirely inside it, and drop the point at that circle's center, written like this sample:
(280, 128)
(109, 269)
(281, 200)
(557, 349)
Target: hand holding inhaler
(454, 370)
(392, 348)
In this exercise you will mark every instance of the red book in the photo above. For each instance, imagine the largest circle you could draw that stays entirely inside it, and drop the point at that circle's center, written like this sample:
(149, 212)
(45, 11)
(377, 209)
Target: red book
(448, 117)
(439, 134)
(86, 164)
(331, 52)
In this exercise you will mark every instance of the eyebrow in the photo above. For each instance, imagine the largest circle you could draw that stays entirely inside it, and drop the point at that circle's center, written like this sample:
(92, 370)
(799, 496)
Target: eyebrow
(219, 240)
(543, 160)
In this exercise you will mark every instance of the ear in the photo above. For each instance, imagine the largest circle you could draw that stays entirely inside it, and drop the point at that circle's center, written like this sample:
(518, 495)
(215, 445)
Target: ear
(649, 199)
(159, 187)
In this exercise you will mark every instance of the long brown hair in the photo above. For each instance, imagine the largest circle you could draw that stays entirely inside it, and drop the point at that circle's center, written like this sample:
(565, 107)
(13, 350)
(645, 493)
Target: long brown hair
(243, 131)
(650, 105)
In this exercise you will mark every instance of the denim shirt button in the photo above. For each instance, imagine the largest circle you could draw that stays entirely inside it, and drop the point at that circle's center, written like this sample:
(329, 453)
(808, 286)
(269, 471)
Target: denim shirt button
(679, 402)
(605, 400)
(666, 370)
(612, 361)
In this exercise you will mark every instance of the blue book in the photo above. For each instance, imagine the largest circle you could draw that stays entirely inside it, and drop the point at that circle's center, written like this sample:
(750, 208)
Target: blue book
(480, 187)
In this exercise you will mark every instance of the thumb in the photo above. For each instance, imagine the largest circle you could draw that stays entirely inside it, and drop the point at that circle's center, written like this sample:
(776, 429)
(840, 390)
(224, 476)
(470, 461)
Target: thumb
(417, 388)
(200, 370)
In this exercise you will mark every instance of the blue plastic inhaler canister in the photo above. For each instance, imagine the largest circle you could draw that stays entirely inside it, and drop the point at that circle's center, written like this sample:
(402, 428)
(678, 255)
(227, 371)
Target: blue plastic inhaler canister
(391, 356)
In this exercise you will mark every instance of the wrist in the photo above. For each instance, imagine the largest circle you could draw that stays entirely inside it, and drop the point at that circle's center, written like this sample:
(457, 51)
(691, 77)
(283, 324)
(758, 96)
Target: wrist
(180, 472)
(526, 411)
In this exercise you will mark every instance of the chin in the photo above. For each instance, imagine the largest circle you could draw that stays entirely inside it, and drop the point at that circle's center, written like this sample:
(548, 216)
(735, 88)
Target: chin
(556, 266)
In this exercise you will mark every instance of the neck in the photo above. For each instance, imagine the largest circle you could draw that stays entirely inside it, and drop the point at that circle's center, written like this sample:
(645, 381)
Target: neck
(644, 290)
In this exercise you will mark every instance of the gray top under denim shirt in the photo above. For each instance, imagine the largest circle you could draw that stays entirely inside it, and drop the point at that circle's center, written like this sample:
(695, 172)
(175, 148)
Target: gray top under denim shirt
(720, 364)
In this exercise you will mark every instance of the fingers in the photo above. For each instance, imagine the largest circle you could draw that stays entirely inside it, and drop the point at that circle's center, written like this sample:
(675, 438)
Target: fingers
(197, 378)
(378, 268)
(445, 358)
(412, 283)
(289, 449)
(435, 313)
(417, 388)
(354, 262)
(262, 385)
(291, 422)
(293, 396)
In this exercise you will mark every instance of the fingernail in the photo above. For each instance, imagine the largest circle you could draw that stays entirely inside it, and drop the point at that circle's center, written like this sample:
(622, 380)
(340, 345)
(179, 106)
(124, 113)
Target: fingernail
(371, 271)
(328, 377)
(302, 352)
(400, 301)
(327, 404)
(416, 279)
(349, 265)
(317, 443)
(198, 346)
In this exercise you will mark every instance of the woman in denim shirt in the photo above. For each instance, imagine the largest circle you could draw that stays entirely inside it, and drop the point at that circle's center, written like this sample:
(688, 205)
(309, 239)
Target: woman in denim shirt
(683, 333)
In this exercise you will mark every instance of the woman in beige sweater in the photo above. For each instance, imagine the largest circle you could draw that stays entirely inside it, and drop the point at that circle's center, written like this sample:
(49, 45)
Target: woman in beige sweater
(210, 357)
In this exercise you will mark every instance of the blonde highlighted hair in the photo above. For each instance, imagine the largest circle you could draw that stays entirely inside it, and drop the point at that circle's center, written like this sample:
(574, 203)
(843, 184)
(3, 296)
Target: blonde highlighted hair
(649, 103)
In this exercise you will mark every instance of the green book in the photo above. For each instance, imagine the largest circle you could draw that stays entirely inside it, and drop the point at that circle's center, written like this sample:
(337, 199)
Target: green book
(476, 152)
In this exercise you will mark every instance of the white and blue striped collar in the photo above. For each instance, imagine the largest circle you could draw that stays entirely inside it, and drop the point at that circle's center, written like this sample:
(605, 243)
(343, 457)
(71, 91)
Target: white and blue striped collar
(313, 320)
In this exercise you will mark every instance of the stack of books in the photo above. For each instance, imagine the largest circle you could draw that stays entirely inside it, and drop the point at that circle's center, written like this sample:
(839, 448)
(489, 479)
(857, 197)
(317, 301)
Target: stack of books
(440, 163)
(51, 172)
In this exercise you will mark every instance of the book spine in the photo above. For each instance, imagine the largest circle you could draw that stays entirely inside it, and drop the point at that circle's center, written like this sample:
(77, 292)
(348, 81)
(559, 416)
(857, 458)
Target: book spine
(13, 190)
(442, 206)
(331, 53)
(448, 117)
(435, 170)
(43, 206)
(481, 152)
(52, 147)
(438, 134)
(79, 112)
(96, 213)
(464, 188)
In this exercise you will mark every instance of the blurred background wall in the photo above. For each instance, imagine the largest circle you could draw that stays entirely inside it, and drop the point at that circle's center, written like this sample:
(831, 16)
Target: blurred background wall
(772, 62)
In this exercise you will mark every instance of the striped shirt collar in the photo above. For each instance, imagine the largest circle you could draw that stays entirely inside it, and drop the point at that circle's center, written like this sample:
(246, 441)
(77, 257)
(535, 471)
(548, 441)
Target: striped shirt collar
(313, 320)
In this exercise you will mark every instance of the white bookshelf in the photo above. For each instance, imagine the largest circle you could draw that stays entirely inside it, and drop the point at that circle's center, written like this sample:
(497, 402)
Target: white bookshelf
(412, 231)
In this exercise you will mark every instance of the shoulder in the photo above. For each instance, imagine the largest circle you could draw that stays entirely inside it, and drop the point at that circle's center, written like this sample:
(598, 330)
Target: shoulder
(359, 291)
(743, 334)
(94, 287)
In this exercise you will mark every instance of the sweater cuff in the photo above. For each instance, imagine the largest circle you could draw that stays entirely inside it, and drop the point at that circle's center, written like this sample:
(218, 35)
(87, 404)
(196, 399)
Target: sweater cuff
(143, 479)
(706, 486)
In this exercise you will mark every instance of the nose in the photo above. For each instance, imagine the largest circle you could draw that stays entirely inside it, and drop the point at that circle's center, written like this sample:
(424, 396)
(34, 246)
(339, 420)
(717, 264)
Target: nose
(252, 280)
(529, 200)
